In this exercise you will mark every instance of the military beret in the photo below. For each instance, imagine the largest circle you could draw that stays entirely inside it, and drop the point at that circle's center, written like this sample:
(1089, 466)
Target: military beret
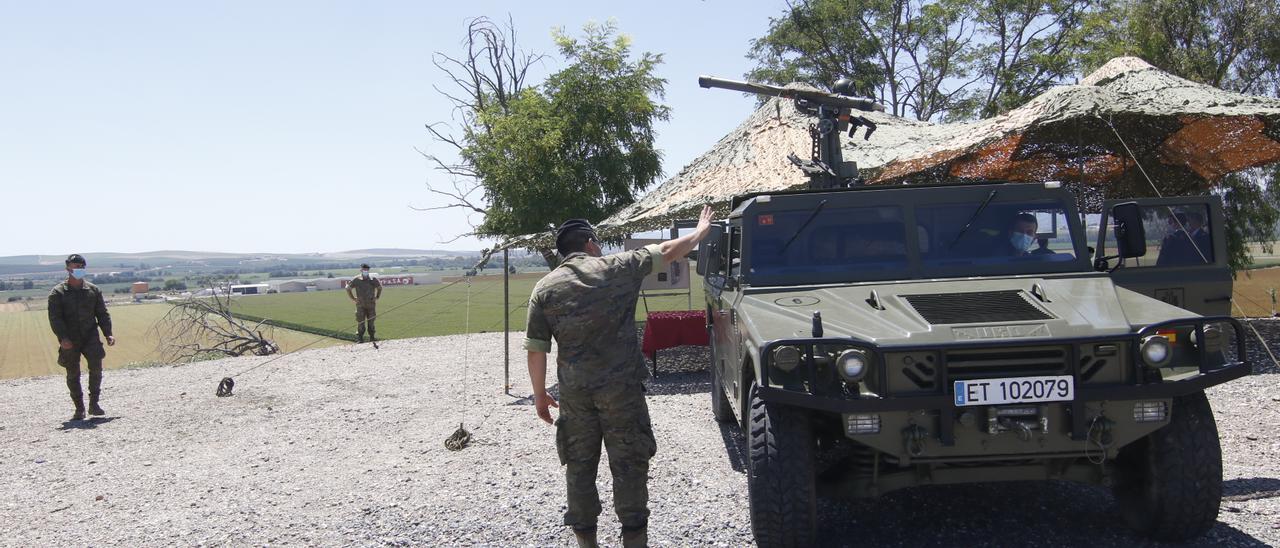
(76, 258)
(569, 227)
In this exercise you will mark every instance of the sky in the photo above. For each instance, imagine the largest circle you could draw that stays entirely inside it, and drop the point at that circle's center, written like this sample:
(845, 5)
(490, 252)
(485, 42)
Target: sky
(287, 127)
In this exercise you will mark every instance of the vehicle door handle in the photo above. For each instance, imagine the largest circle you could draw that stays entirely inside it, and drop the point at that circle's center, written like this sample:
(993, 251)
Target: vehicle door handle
(1218, 299)
(724, 313)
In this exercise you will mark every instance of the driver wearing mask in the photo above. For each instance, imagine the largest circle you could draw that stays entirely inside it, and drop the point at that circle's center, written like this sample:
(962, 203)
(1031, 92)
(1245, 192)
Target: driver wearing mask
(1021, 235)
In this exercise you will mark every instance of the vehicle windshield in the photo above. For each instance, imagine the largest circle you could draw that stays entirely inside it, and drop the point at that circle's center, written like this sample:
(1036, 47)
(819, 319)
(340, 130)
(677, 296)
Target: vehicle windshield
(983, 237)
(838, 242)
(1002, 238)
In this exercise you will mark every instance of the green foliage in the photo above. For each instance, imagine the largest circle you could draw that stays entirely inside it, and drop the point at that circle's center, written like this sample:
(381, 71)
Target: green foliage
(956, 59)
(579, 145)
(1251, 212)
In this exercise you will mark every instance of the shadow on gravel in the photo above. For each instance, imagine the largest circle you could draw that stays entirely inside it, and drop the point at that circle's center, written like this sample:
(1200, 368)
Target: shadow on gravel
(88, 424)
(683, 382)
(1269, 329)
(993, 514)
(735, 446)
(1240, 489)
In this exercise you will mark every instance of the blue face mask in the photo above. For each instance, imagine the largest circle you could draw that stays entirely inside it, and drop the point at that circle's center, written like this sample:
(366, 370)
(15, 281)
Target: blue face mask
(78, 273)
(1020, 241)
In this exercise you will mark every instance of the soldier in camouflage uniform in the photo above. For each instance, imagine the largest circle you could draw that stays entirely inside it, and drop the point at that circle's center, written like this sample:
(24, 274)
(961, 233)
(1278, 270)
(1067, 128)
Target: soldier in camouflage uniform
(367, 292)
(76, 312)
(588, 305)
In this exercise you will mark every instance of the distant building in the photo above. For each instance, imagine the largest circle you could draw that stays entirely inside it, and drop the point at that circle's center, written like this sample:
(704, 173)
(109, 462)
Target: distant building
(139, 287)
(249, 289)
(327, 284)
(291, 286)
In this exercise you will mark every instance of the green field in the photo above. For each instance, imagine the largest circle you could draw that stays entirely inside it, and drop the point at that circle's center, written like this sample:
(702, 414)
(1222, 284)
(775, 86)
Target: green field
(28, 348)
(423, 310)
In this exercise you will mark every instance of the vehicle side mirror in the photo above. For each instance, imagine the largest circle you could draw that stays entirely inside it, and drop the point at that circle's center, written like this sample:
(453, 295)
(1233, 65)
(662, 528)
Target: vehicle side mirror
(709, 251)
(1131, 235)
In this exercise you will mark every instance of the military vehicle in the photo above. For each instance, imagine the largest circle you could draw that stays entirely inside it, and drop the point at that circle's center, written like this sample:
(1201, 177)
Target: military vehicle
(874, 338)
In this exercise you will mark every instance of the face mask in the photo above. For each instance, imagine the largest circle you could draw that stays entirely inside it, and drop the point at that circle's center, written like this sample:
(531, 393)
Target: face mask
(77, 273)
(364, 273)
(1020, 241)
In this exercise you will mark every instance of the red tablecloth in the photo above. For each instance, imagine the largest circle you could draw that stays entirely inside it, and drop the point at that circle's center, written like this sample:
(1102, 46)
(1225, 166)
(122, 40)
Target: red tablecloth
(672, 329)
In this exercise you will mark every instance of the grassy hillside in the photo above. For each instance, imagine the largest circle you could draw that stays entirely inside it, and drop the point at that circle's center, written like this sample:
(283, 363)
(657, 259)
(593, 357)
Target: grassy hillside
(28, 348)
(424, 310)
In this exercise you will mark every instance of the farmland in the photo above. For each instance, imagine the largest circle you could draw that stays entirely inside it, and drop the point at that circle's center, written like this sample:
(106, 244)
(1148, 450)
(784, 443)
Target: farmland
(29, 348)
(424, 310)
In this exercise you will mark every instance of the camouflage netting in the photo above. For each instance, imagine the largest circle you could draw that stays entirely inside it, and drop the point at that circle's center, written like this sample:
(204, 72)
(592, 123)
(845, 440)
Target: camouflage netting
(1185, 135)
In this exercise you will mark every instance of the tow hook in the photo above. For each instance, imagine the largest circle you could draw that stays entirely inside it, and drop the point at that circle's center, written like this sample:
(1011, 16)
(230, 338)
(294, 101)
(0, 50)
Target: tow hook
(1021, 428)
(913, 436)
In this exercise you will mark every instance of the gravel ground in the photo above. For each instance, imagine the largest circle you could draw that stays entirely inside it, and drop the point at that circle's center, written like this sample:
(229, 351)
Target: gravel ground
(344, 446)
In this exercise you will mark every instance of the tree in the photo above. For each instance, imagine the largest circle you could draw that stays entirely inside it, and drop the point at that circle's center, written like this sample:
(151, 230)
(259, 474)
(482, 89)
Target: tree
(1231, 44)
(580, 144)
(908, 54)
(175, 285)
(955, 59)
(487, 78)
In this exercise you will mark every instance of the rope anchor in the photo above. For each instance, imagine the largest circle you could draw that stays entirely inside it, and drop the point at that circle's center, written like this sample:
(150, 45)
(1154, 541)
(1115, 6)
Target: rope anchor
(224, 387)
(458, 440)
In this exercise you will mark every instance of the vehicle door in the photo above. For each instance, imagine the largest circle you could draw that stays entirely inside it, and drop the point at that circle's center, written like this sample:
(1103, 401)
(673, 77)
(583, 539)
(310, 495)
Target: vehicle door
(716, 275)
(1186, 260)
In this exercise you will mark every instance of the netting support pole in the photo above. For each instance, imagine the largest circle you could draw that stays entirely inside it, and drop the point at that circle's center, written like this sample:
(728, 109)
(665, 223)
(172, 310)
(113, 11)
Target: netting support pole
(506, 321)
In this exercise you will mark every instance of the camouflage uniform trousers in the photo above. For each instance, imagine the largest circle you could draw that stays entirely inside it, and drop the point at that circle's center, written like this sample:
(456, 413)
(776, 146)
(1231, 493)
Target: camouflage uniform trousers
(619, 418)
(365, 314)
(69, 359)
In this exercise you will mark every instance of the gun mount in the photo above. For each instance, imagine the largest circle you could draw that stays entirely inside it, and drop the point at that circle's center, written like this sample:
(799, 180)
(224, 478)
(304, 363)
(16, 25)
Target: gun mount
(826, 167)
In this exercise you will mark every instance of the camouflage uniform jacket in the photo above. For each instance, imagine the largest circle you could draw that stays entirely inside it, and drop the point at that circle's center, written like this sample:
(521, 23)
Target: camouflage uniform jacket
(365, 290)
(78, 313)
(589, 305)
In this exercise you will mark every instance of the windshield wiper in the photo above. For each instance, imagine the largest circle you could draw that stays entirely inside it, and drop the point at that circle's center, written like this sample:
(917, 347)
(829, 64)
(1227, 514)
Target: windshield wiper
(972, 218)
(802, 226)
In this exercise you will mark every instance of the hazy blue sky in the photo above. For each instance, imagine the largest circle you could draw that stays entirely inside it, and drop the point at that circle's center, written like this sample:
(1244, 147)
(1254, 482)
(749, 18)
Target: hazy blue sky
(284, 126)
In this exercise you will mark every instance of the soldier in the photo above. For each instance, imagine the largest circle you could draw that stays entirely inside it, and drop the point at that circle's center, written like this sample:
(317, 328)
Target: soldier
(367, 292)
(588, 304)
(76, 313)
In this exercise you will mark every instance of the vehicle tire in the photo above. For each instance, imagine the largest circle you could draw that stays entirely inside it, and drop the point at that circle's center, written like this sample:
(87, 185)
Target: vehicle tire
(780, 475)
(721, 409)
(1169, 485)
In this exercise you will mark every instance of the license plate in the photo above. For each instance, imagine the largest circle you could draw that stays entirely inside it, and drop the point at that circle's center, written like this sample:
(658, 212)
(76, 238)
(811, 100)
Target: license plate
(1014, 390)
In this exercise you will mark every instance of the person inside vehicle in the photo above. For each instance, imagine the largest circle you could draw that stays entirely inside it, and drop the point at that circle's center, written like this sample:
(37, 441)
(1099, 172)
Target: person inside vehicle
(1042, 247)
(1176, 247)
(1021, 235)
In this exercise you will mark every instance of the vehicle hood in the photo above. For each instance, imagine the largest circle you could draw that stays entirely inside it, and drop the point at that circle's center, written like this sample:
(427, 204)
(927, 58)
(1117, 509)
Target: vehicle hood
(935, 311)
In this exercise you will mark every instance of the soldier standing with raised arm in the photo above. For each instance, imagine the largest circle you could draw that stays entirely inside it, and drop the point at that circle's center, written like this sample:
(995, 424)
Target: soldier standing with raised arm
(588, 305)
(76, 312)
(367, 292)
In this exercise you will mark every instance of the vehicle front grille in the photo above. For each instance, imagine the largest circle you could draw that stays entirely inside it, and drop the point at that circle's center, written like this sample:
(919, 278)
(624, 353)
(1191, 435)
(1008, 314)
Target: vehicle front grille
(977, 307)
(980, 363)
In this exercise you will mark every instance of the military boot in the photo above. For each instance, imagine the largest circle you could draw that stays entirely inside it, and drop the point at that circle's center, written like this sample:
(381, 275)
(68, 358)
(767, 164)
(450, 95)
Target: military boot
(79, 414)
(586, 537)
(635, 538)
(95, 389)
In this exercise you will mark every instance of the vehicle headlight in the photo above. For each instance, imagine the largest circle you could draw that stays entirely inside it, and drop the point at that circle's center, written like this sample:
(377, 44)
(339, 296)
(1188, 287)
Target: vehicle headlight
(1212, 342)
(1156, 351)
(786, 358)
(853, 364)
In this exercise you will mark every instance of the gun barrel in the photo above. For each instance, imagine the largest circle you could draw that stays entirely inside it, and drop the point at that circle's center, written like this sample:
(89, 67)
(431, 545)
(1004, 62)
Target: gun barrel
(820, 97)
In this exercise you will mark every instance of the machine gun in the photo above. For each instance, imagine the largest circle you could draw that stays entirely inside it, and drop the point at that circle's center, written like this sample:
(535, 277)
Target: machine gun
(826, 167)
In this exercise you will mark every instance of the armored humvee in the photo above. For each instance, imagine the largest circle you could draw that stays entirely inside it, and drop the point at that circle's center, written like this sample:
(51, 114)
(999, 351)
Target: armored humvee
(869, 339)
